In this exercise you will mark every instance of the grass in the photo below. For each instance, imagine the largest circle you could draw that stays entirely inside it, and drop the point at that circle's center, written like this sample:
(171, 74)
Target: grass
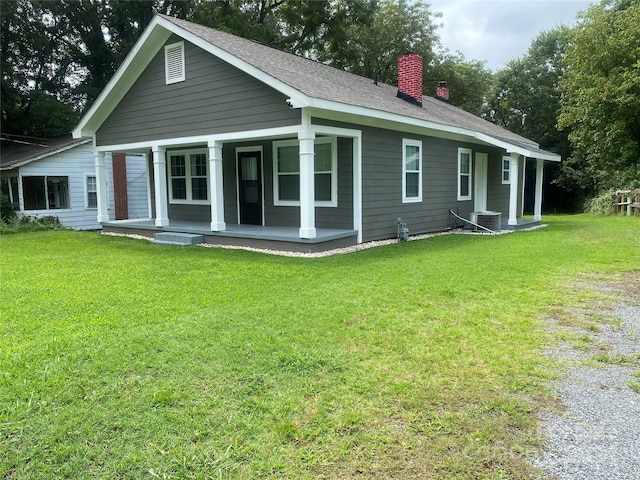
(122, 359)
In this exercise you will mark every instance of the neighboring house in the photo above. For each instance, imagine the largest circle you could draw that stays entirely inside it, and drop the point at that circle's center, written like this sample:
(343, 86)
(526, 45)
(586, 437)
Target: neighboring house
(57, 177)
(251, 145)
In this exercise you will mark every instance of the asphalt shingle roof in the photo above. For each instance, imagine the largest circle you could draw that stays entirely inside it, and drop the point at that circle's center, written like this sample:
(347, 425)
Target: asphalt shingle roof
(17, 151)
(324, 82)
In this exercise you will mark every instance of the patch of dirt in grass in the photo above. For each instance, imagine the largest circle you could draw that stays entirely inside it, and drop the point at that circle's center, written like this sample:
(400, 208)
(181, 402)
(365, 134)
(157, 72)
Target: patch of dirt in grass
(594, 435)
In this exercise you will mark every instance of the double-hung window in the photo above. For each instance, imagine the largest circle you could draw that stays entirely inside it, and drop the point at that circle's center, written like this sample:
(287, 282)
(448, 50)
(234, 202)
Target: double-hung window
(464, 174)
(506, 170)
(411, 171)
(188, 178)
(92, 192)
(286, 172)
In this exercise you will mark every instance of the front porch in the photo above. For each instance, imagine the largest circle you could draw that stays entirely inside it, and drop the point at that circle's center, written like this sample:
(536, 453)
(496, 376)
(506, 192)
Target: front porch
(254, 236)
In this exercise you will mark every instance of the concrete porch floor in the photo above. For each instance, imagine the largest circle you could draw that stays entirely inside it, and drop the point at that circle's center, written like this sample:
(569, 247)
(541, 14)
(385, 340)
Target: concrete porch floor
(521, 225)
(256, 236)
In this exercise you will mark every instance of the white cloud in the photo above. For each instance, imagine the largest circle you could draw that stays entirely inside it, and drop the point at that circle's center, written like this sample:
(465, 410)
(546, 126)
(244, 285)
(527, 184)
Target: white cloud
(500, 30)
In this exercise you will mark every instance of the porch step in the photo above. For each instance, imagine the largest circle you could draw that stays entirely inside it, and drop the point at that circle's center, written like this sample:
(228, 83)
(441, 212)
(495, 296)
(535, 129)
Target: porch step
(175, 238)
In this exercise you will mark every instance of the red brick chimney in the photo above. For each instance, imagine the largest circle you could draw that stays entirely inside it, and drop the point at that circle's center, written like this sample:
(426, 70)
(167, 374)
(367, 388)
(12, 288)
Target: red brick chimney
(442, 92)
(410, 78)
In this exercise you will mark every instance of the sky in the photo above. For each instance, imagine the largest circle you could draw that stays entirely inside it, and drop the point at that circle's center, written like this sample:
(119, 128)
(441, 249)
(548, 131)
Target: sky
(500, 30)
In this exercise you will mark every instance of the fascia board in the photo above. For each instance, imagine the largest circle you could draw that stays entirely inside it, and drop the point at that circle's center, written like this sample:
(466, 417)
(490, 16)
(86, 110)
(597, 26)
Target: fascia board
(510, 148)
(45, 155)
(133, 65)
(378, 116)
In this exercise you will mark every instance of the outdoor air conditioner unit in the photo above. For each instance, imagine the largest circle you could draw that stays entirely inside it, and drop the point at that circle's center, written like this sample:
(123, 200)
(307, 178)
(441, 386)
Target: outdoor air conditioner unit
(489, 220)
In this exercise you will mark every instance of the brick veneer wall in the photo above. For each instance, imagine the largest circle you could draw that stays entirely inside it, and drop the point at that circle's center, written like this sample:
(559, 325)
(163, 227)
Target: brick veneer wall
(120, 186)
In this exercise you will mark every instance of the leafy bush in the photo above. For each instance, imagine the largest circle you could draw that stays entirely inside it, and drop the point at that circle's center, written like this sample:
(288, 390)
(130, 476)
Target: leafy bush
(7, 211)
(603, 204)
(30, 224)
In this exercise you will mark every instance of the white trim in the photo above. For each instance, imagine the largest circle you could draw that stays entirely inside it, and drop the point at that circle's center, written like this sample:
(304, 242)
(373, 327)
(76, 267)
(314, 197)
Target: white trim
(407, 142)
(249, 149)
(199, 140)
(174, 63)
(532, 152)
(469, 175)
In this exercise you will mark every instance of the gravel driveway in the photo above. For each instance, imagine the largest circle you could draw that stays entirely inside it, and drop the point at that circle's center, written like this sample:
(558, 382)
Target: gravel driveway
(597, 435)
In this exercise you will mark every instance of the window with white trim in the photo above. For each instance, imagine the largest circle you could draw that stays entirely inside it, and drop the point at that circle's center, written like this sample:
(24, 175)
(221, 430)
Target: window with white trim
(464, 173)
(91, 186)
(188, 177)
(411, 170)
(286, 172)
(506, 170)
(174, 69)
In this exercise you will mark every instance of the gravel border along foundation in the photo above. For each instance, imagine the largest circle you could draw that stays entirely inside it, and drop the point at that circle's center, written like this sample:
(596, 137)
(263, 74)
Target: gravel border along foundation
(597, 436)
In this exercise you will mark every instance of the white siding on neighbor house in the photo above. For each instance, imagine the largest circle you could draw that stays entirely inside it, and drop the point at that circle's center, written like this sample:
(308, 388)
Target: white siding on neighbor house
(77, 164)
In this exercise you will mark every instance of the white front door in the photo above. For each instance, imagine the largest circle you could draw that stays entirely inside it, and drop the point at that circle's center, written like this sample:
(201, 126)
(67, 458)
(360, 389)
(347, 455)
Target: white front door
(480, 187)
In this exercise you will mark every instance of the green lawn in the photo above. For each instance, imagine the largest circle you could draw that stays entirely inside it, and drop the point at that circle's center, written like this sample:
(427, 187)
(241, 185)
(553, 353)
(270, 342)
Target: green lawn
(123, 359)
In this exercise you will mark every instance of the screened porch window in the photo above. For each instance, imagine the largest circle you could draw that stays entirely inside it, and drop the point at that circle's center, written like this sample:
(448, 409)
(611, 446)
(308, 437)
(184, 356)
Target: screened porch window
(188, 177)
(286, 176)
(45, 193)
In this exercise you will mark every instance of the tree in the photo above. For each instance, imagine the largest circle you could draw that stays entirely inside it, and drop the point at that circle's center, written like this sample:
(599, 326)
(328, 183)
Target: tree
(468, 80)
(601, 94)
(372, 49)
(35, 94)
(525, 96)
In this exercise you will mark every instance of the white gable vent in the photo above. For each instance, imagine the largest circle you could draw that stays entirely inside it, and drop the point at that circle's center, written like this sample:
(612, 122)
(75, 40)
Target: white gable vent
(174, 63)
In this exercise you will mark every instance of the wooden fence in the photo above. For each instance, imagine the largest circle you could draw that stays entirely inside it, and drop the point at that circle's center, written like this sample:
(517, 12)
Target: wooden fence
(629, 201)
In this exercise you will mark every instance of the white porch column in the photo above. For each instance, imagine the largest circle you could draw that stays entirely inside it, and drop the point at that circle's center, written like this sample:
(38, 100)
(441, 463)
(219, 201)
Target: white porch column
(537, 207)
(101, 188)
(216, 187)
(160, 185)
(513, 189)
(306, 137)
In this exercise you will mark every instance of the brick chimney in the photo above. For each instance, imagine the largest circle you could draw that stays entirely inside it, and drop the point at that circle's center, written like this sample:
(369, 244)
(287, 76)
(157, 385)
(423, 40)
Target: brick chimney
(442, 92)
(410, 78)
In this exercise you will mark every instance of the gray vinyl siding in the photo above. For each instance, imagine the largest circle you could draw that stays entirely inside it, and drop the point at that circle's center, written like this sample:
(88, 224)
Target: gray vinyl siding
(215, 98)
(289, 216)
(382, 203)
(498, 193)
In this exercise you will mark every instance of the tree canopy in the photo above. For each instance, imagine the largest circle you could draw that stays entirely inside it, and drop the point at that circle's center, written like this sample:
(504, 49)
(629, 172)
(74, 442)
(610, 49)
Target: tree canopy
(601, 94)
(58, 56)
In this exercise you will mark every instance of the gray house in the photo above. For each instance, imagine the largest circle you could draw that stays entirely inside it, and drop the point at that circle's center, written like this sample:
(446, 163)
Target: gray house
(249, 145)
